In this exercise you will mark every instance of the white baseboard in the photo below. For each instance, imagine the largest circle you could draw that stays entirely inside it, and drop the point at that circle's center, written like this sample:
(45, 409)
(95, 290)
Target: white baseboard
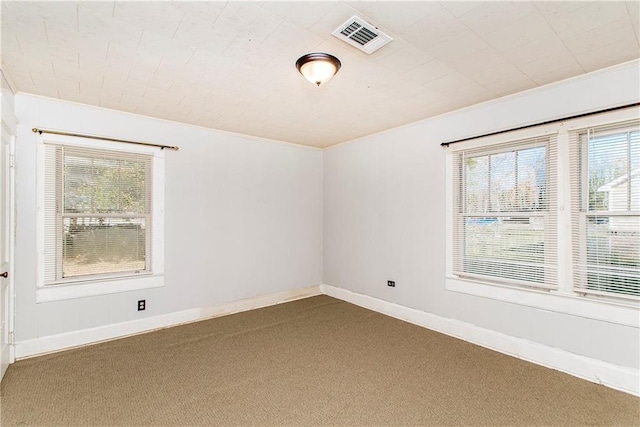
(258, 302)
(614, 376)
(52, 343)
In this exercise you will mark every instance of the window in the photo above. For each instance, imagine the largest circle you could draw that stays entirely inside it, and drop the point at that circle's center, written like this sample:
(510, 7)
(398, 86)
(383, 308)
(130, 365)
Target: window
(606, 215)
(549, 217)
(505, 228)
(101, 220)
(97, 214)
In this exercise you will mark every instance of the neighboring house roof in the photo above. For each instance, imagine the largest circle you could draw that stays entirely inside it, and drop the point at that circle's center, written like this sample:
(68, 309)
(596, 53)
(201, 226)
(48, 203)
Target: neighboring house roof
(620, 180)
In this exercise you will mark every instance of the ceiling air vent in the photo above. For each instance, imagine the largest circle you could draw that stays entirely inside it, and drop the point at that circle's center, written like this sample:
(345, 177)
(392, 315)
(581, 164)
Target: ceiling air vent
(362, 35)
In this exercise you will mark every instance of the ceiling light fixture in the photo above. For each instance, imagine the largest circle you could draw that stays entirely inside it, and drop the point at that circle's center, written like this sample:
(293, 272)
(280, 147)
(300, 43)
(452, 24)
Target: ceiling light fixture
(318, 68)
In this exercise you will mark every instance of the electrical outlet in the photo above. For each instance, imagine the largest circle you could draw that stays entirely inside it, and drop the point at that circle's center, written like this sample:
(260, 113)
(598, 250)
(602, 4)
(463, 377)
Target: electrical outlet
(142, 304)
(391, 283)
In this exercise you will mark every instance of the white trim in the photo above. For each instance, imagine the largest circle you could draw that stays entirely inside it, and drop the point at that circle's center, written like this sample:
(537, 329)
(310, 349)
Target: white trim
(614, 376)
(9, 125)
(449, 212)
(53, 343)
(9, 81)
(604, 310)
(258, 302)
(564, 236)
(12, 247)
(98, 287)
(83, 337)
(605, 119)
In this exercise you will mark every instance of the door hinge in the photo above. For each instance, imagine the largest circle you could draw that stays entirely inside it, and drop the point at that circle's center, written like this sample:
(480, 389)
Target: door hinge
(12, 160)
(11, 339)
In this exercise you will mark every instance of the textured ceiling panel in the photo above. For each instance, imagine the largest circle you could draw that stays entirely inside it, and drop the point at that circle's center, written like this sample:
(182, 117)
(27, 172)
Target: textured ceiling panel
(230, 65)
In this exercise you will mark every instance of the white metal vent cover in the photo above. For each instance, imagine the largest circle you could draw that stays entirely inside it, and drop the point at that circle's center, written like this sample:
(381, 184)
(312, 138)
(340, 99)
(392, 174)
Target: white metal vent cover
(362, 35)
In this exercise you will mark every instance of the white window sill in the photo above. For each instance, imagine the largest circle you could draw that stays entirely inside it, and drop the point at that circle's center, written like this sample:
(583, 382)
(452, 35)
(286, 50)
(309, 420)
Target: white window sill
(608, 311)
(93, 288)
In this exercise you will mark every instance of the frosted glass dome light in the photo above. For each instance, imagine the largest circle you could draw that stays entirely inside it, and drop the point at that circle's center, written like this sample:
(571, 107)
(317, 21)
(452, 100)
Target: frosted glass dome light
(318, 68)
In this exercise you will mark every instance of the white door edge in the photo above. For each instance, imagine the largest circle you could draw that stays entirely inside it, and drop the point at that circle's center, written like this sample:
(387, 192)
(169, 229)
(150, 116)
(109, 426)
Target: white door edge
(12, 245)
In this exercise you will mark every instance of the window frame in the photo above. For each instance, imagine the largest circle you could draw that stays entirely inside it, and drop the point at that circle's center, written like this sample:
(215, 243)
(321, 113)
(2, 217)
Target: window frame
(83, 286)
(585, 212)
(564, 299)
(544, 214)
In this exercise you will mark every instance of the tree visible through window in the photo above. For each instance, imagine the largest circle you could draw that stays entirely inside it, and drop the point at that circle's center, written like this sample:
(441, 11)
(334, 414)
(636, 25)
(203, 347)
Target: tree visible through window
(558, 213)
(502, 222)
(97, 213)
(610, 219)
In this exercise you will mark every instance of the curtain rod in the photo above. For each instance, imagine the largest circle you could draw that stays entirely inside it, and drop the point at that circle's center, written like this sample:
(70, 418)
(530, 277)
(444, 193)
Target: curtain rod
(103, 138)
(446, 144)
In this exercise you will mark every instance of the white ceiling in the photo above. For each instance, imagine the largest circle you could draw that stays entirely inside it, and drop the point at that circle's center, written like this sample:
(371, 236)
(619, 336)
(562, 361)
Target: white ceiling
(230, 65)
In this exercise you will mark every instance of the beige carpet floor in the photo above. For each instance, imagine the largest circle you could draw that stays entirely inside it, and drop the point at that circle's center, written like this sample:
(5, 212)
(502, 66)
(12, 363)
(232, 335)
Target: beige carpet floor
(317, 361)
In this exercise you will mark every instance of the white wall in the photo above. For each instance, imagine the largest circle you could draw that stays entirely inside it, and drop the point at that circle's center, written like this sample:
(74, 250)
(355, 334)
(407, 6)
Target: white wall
(243, 218)
(384, 216)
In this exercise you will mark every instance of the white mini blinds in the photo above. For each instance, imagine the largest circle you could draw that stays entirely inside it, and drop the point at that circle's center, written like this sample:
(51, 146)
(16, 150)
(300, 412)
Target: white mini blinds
(97, 215)
(605, 179)
(505, 227)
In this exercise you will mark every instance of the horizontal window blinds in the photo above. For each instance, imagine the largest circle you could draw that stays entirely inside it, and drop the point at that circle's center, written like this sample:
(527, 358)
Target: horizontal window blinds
(97, 213)
(605, 180)
(505, 225)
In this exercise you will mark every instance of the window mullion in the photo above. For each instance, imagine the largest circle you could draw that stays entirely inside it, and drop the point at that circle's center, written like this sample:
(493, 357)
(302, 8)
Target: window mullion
(489, 189)
(564, 238)
(462, 191)
(60, 175)
(629, 171)
(517, 183)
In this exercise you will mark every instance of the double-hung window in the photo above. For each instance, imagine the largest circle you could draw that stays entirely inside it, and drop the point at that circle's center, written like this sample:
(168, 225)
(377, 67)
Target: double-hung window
(549, 217)
(606, 214)
(97, 214)
(504, 213)
(100, 225)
